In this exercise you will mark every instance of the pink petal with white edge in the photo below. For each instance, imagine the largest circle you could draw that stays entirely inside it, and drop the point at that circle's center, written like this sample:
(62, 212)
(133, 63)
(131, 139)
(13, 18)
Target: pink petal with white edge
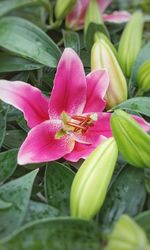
(82, 150)
(104, 4)
(41, 145)
(27, 99)
(117, 17)
(97, 85)
(145, 125)
(69, 91)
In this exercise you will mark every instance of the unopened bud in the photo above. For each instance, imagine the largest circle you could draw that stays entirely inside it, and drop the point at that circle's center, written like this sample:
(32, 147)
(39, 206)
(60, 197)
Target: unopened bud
(100, 35)
(130, 42)
(127, 235)
(93, 14)
(132, 141)
(143, 78)
(62, 8)
(90, 184)
(103, 57)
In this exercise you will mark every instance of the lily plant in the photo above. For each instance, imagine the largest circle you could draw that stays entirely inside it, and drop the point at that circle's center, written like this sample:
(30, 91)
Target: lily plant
(69, 124)
(76, 17)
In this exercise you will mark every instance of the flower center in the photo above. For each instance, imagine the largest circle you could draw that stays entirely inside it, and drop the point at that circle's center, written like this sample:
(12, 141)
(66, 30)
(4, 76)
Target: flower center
(76, 123)
(80, 123)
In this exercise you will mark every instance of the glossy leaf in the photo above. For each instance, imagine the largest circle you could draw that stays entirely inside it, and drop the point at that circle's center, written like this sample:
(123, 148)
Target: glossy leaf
(143, 56)
(8, 163)
(9, 63)
(4, 205)
(18, 193)
(92, 29)
(139, 104)
(71, 39)
(38, 210)
(14, 138)
(143, 219)
(30, 41)
(126, 196)
(55, 234)
(3, 115)
(147, 179)
(9, 5)
(58, 180)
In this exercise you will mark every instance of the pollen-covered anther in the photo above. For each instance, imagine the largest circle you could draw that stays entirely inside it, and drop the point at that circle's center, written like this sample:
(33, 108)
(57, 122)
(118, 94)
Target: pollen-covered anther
(80, 123)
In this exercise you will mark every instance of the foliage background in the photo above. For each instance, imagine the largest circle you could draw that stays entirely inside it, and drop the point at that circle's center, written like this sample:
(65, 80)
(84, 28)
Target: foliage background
(34, 206)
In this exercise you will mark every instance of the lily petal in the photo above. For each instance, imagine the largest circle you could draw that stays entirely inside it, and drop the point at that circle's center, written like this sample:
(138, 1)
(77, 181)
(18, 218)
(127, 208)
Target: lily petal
(87, 138)
(27, 99)
(41, 145)
(101, 126)
(117, 17)
(97, 84)
(69, 91)
(103, 4)
(82, 150)
(145, 125)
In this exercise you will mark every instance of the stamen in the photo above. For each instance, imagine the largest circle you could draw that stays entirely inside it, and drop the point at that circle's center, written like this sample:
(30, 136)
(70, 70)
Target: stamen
(75, 125)
(82, 123)
(78, 118)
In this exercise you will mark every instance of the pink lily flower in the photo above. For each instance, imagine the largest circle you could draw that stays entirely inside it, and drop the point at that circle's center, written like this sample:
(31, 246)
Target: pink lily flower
(75, 19)
(71, 123)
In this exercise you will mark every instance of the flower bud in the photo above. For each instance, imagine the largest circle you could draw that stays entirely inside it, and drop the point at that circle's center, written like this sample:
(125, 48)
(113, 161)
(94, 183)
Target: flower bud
(127, 235)
(90, 184)
(103, 57)
(62, 8)
(99, 35)
(132, 141)
(130, 42)
(143, 78)
(93, 14)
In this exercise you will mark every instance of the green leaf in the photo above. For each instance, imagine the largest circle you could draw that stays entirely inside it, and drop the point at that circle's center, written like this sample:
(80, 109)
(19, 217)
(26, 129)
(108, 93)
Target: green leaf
(38, 210)
(58, 180)
(55, 234)
(27, 40)
(92, 29)
(143, 219)
(3, 115)
(126, 196)
(4, 205)
(138, 104)
(143, 56)
(21, 76)
(9, 5)
(14, 138)
(71, 40)
(8, 164)
(9, 63)
(147, 179)
(22, 123)
(18, 193)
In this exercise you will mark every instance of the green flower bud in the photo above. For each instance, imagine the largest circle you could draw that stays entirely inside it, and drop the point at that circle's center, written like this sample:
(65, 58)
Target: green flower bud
(143, 78)
(90, 184)
(132, 141)
(93, 14)
(127, 235)
(62, 8)
(99, 35)
(103, 57)
(130, 42)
